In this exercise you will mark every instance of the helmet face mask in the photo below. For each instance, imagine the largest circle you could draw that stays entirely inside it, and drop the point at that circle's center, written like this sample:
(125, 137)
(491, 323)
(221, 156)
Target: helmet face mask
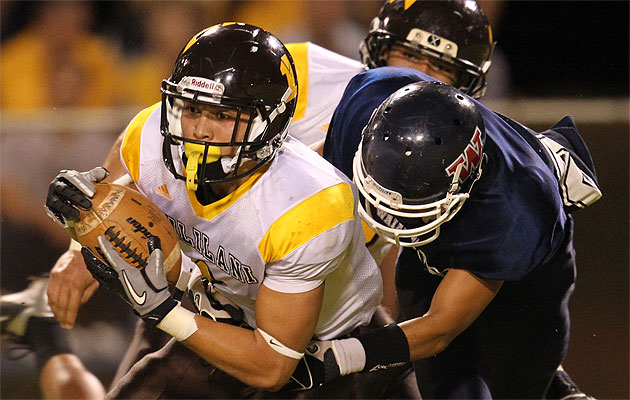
(420, 155)
(247, 77)
(399, 223)
(454, 32)
(414, 57)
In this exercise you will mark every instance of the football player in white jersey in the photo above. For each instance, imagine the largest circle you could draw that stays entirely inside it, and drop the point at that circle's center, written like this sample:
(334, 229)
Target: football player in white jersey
(322, 76)
(267, 222)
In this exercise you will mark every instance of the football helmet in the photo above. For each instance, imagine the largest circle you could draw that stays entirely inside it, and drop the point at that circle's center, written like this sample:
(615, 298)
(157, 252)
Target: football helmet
(455, 32)
(420, 154)
(245, 70)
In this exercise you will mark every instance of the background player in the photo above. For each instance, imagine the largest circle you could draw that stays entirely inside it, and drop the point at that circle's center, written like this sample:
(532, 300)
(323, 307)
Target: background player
(28, 321)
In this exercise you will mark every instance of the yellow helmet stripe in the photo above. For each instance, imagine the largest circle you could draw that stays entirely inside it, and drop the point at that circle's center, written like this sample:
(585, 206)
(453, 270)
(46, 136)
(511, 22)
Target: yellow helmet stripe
(299, 53)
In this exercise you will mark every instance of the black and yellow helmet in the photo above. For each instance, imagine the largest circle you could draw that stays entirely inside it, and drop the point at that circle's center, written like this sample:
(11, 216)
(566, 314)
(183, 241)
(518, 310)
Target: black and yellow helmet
(456, 32)
(240, 67)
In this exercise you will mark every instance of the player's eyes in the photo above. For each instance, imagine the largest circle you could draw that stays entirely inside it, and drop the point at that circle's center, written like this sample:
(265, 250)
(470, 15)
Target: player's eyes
(411, 56)
(192, 110)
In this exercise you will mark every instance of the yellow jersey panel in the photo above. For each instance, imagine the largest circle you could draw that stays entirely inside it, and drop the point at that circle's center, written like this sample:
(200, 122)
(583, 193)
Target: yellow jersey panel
(130, 148)
(317, 214)
(322, 78)
(299, 53)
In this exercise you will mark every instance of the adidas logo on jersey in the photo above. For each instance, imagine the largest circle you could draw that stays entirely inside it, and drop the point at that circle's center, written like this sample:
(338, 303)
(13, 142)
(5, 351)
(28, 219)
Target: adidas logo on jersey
(163, 191)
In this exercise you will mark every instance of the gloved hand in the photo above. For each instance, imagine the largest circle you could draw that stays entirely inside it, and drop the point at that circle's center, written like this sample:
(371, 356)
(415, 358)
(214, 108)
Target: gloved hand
(205, 298)
(145, 290)
(71, 189)
(319, 365)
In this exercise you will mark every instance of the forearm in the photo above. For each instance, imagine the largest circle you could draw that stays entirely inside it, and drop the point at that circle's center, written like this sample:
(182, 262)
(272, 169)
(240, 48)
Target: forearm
(425, 337)
(240, 352)
(458, 301)
(112, 163)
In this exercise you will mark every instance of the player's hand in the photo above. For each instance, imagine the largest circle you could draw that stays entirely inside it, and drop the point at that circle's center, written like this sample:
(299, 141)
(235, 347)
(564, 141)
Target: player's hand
(318, 366)
(71, 189)
(206, 301)
(145, 290)
(70, 285)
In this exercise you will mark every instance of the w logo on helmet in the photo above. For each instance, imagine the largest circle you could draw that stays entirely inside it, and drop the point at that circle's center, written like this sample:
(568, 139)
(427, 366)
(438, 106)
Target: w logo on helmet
(470, 158)
(287, 70)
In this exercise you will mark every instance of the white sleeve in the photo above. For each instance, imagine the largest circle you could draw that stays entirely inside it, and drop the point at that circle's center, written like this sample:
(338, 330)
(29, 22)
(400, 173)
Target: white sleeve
(308, 266)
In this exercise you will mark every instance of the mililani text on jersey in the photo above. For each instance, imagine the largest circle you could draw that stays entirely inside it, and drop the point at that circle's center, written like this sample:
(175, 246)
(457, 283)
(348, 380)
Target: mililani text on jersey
(223, 260)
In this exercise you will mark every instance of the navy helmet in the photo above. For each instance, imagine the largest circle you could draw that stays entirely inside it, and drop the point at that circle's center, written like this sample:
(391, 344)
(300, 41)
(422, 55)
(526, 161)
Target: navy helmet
(420, 154)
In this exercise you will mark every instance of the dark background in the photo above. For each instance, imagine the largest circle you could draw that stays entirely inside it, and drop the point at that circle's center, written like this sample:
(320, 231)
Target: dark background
(554, 48)
(566, 48)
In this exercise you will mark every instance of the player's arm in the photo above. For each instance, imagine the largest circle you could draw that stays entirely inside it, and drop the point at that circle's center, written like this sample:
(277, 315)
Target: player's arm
(117, 172)
(265, 357)
(70, 283)
(459, 299)
(318, 147)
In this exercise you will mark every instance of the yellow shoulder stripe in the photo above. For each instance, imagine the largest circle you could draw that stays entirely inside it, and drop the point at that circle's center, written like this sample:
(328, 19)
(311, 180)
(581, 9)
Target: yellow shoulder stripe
(130, 148)
(315, 215)
(299, 53)
(369, 233)
(212, 210)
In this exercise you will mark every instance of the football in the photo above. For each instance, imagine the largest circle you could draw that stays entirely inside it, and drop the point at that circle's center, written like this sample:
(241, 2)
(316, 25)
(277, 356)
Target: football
(128, 219)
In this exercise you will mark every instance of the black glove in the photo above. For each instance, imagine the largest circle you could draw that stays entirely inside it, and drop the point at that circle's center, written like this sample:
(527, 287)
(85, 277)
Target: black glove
(71, 189)
(145, 290)
(318, 366)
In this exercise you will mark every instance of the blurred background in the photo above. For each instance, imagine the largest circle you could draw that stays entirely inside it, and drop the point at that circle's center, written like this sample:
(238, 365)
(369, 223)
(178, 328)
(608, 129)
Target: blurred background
(72, 74)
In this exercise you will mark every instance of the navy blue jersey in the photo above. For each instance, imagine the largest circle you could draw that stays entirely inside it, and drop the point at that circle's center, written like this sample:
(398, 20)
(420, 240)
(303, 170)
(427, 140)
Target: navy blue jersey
(364, 93)
(515, 218)
(515, 226)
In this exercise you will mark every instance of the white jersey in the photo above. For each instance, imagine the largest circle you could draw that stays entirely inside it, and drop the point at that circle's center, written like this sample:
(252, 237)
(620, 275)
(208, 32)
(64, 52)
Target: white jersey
(322, 78)
(290, 227)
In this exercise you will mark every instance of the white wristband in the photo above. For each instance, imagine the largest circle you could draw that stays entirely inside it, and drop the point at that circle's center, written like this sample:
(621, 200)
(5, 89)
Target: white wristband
(279, 347)
(179, 323)
(350, 355)
(74, 245)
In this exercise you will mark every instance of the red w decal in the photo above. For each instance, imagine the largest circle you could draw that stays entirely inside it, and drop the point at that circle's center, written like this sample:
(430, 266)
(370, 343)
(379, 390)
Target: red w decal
(470, 158)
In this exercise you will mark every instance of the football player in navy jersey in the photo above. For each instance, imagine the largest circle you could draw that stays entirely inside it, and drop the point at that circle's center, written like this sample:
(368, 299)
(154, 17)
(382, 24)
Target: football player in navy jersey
(481, 207)
(389, 42)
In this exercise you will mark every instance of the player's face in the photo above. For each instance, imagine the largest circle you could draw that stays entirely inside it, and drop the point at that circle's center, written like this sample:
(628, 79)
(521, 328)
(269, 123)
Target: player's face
(213, 124)
(399, 56)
